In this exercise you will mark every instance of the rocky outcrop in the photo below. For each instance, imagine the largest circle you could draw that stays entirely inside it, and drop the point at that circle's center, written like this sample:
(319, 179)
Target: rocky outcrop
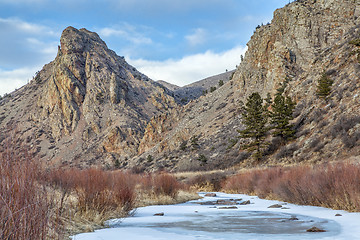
(92, 105)
(304, 39)
(89, 107)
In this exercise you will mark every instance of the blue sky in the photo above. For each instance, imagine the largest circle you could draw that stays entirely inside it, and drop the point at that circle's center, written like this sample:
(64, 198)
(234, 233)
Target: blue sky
(179, 41)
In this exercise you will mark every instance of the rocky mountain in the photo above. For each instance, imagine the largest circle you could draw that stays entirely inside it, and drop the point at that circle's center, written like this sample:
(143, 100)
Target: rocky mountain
(169, 86)
(304, 40)
(89, 107)
(195, 90)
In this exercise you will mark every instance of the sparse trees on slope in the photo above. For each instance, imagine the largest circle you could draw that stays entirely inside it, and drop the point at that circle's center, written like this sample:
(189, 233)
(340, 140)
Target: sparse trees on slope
(324, 86)
(281, 114)
(255, 118)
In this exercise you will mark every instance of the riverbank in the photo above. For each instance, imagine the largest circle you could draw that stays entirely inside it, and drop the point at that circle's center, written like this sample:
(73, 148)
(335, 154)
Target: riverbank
(225, 216)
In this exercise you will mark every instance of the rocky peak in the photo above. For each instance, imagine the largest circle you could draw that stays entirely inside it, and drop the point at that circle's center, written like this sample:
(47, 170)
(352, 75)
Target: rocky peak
(78, 41)
(90, 100)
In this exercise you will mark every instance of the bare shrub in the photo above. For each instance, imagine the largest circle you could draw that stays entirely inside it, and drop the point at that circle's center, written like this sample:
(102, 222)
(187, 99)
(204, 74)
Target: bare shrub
(95, 189)
(316, 115)
(302, 133)
(26, 208)
(209, 180)
(314, 142)
(274, 145)
(344, 124)
(334, 186)
(166, 184)
(323, 124)
(287, 151)
(350, 141)
(299, 108)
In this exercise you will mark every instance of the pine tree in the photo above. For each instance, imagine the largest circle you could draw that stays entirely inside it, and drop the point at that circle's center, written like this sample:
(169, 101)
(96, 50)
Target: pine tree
(280, 117)
(324, 86)
(255, 119)
(281, 114)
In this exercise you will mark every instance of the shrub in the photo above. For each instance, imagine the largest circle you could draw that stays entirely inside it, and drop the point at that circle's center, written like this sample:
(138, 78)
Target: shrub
(194, 142)
(166, 184)
(26, 208)
(208, 181)
(202, 158)
(334, 186)
(350, 141)
(344, 124)
(183, 145)
(95, 189)
(287, 151)
(232, 143)
(355, 42)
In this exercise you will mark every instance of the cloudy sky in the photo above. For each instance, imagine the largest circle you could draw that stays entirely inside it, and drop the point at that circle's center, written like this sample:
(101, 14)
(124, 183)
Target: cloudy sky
(179, 41)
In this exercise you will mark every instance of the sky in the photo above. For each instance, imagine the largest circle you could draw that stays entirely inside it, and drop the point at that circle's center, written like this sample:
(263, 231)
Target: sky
(179, 41)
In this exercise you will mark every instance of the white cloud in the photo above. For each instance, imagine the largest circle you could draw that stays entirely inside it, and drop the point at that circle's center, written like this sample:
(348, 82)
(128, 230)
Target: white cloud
(198, 37)
(190, 68)
(26, 27)
(128, 32)
(13, 79)
(26, 44)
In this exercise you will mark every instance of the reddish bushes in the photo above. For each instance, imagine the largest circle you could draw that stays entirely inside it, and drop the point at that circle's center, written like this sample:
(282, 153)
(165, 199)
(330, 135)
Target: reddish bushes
(166, 184)
(334, 186)
(103, 191)
(96, 189)
(25, 206)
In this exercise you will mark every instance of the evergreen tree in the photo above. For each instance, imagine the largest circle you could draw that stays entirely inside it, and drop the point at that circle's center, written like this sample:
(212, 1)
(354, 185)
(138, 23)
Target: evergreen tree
(281, 114)
(221, 82)
(324, 86)
(255, 118)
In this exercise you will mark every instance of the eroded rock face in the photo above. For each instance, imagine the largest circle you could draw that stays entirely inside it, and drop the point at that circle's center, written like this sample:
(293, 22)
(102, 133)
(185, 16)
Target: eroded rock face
(93, 105)
(304, 39)
(296, 37)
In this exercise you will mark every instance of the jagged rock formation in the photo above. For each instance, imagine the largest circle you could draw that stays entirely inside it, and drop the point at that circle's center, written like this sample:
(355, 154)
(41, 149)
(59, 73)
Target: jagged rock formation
(89, 106)
(304, 39)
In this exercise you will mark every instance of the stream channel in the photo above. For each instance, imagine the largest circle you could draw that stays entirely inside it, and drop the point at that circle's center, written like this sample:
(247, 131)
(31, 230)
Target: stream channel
(225, 216)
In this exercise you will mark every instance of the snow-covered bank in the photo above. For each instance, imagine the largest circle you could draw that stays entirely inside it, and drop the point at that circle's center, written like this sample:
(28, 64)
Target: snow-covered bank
(203, 219)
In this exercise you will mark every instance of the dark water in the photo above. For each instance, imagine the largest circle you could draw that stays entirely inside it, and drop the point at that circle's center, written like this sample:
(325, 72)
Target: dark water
(257, 222)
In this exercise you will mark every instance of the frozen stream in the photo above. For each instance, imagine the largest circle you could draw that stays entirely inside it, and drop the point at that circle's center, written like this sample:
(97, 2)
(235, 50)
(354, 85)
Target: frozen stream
(222, 217)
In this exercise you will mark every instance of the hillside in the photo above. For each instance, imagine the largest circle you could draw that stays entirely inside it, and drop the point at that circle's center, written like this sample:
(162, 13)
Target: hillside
(304, 39)
(196, 89)
(89, 107)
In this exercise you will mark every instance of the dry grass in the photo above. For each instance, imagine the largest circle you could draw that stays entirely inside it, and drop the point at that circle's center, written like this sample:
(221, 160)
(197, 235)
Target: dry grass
(208, 181)
(148, 198)
(93, 196)
(334, 186)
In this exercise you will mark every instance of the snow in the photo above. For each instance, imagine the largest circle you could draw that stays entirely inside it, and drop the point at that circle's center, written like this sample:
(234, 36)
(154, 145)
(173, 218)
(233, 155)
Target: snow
(190, 221)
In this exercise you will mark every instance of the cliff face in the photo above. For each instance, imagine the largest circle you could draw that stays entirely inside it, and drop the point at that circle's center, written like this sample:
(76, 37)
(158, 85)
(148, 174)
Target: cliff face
(92, 106)
(304, 39)
(89, 107)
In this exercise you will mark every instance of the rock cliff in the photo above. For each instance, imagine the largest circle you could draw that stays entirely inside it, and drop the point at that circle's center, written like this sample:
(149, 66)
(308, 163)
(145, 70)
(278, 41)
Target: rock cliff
(89, 107)
(304, 39)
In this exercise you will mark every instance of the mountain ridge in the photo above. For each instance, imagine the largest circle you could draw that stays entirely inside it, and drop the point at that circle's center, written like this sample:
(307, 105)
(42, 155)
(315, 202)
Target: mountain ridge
(89, 107)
